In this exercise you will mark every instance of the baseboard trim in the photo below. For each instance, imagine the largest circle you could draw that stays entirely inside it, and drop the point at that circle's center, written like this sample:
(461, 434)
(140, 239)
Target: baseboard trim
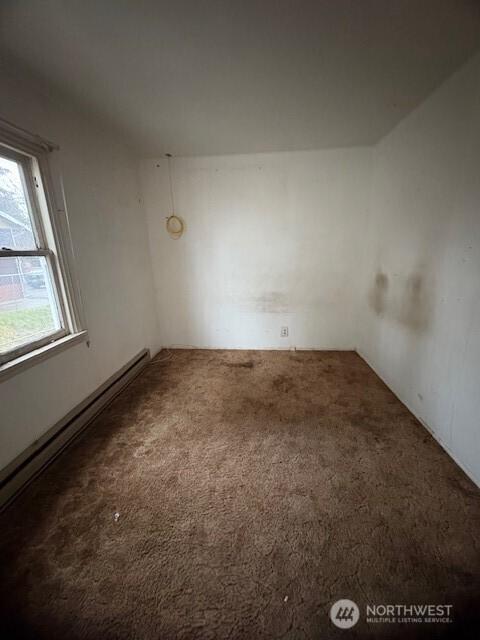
(16, 476)
(430, 430)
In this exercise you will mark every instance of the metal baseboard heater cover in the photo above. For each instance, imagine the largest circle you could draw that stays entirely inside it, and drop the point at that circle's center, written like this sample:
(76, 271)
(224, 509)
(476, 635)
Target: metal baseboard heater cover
(30, 463)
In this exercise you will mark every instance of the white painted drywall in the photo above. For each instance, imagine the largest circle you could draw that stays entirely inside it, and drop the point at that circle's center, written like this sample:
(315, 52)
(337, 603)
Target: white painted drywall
(110, 241)
(271, 240)
(420, 302)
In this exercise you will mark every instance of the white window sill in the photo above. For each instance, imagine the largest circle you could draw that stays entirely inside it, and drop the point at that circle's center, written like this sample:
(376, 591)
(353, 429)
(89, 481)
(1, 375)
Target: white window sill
(34, 357)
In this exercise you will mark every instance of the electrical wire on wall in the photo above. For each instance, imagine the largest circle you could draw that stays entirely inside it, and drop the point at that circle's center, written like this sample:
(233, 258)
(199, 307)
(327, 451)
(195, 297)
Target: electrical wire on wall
(174, 224)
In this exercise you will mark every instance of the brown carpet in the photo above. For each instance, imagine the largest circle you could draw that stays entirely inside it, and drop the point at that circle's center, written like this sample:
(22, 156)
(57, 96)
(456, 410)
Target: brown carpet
(253, 490)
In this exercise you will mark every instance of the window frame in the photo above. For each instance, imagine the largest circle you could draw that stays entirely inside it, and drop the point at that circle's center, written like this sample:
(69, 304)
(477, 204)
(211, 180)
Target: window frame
(45, 199)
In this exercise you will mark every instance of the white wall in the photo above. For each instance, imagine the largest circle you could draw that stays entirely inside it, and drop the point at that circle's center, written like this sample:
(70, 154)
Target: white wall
(271, 240)
(110, 240)
(420, 303)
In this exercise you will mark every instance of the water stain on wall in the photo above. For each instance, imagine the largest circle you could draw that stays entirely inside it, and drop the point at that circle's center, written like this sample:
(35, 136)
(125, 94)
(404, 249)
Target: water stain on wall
(270, 302)
(416, 303)
(407, 301)
(377, 296)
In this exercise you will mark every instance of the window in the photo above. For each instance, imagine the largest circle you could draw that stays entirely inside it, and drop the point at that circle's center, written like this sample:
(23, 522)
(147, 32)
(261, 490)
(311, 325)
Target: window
(39, 300)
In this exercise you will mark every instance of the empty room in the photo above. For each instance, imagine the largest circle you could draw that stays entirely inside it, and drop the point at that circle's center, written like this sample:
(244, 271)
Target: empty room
(239, 319)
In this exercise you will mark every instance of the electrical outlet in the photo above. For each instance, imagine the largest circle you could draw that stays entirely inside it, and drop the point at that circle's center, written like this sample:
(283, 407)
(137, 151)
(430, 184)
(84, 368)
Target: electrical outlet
(284, 332)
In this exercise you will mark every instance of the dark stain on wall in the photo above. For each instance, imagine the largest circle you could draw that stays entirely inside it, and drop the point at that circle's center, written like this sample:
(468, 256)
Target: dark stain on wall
(416, 303)
(377, 296)
(407, 301)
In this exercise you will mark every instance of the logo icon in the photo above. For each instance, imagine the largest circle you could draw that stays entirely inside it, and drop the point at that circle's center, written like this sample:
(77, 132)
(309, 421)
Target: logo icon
(344, 614)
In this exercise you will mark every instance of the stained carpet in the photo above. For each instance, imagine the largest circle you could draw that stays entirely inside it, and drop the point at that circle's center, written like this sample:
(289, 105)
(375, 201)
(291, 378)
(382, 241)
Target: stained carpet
(238, 495)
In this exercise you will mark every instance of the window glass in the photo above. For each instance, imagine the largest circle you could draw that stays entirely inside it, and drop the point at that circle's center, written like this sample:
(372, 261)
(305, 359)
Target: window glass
(16, 230)
(28, 308)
